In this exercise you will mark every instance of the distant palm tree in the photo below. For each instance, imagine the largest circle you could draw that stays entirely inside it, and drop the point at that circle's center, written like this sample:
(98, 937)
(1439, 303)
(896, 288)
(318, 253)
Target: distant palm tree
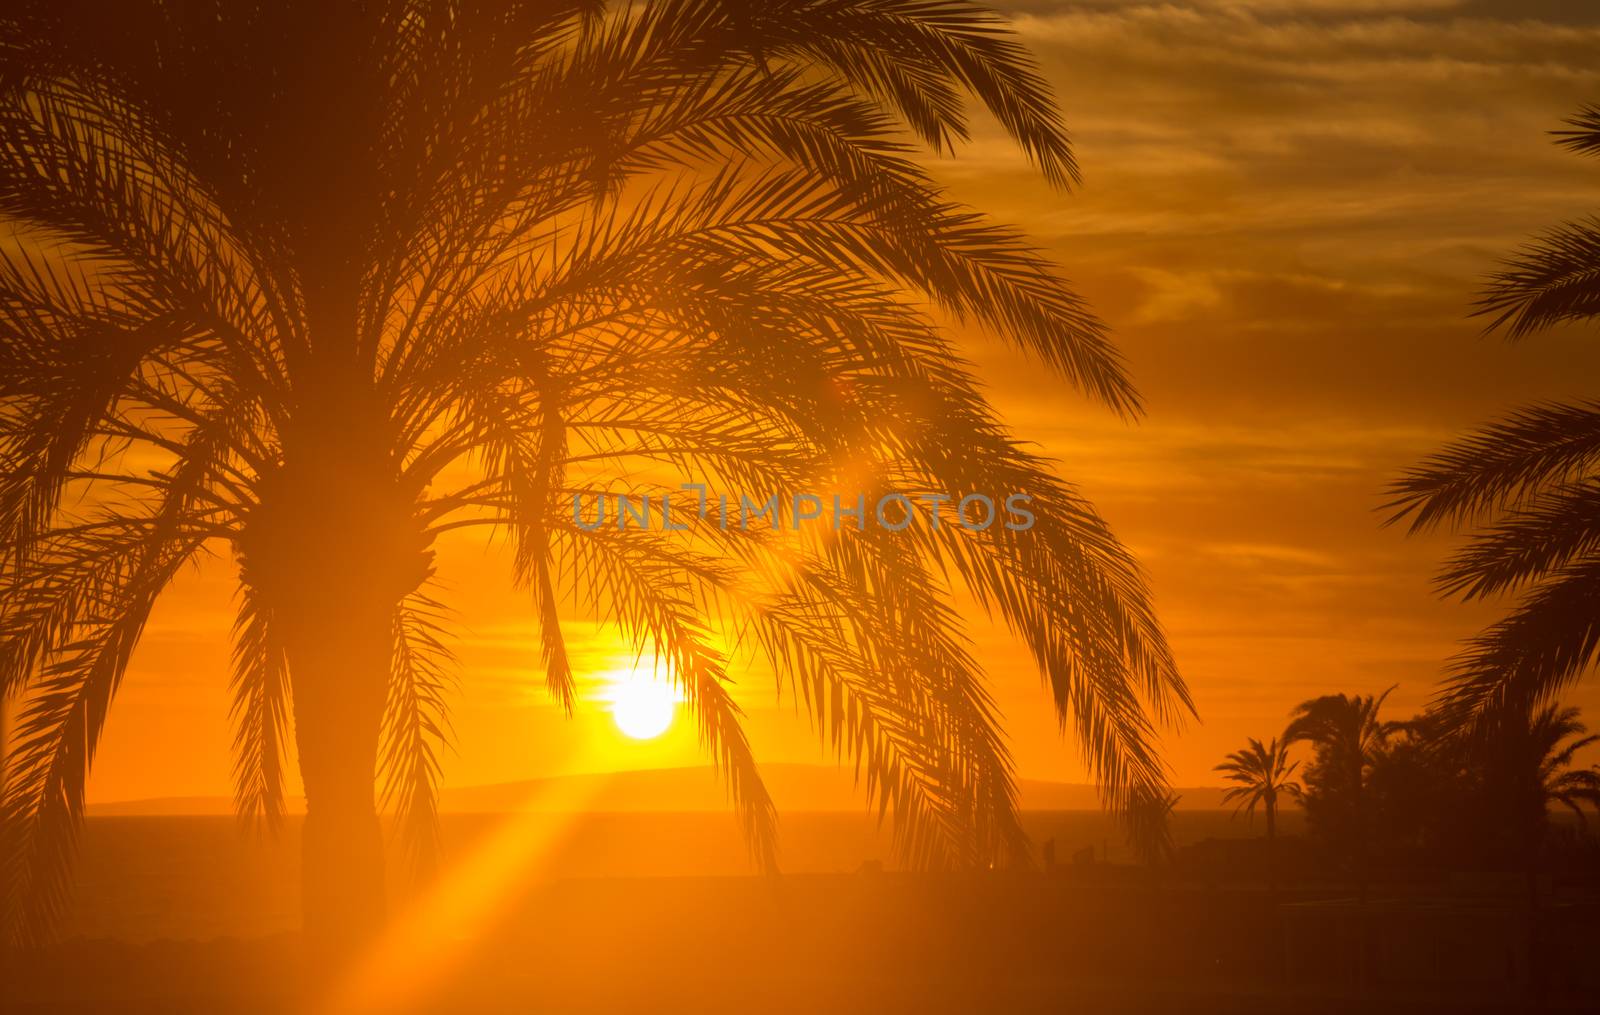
(1345, 733)
(1530, 484)
(312, 286)
(1526, 764)
(1529, 760)
(1263, 773)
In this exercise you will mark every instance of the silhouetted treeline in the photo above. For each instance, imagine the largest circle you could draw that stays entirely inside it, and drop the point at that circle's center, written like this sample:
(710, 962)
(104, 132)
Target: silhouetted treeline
(1509, 794)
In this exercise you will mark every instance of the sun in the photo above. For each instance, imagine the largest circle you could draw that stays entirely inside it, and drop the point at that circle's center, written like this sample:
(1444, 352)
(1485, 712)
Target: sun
(642, 705)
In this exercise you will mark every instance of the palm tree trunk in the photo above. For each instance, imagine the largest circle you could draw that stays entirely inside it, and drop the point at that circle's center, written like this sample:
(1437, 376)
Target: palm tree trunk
(1359, 810)
(1363, 924)
(338, 546)
(339, 668)
(1272, 850)
(1536, 965)
(1279, 954)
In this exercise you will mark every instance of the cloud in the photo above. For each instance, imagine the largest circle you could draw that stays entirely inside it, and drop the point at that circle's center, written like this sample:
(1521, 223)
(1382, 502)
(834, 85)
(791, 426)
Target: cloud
(1024, 7)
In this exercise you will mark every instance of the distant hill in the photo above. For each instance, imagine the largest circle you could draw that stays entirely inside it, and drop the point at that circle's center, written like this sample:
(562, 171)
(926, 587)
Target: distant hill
(794, 787)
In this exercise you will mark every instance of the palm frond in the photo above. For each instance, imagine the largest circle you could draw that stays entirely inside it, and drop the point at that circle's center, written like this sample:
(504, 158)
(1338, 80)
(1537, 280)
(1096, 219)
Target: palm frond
(261, 711)
(416, 728)
(1150, 825)
(56, 734)
(1552, 280)
(1501, 465)
(639, 587)
(1583, 132)
(914, 55)
(1540, 647)
(1549, 532)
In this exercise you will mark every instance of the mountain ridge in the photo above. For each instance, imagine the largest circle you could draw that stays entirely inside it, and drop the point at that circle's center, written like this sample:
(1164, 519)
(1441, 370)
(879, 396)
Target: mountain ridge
(795, 788)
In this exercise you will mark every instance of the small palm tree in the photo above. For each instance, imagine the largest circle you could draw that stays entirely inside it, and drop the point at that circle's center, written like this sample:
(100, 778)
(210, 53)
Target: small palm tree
(1263, 773)
(1529, 485)
(307, 288)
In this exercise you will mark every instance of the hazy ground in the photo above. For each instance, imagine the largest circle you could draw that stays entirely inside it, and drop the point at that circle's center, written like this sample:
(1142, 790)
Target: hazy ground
(819, 943)
(647, 912)
(147, 878)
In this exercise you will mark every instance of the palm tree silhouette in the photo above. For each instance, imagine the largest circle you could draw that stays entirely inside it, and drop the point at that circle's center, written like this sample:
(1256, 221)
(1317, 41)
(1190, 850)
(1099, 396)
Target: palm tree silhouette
(1562, 784)
(1263, 773)
(1528, 765)
(1528, 484)
(315, 285)
(1345, 733)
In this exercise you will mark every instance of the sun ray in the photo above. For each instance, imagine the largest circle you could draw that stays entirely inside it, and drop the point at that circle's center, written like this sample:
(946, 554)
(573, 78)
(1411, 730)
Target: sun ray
(426, 942)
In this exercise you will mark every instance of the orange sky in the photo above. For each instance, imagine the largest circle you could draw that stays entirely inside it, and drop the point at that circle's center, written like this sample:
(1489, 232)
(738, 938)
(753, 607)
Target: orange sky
(1287, 205)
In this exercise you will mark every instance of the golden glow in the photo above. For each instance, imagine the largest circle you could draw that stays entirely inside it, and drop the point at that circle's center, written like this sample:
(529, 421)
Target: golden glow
(642, 704)
(428, 940)
(1338, 294)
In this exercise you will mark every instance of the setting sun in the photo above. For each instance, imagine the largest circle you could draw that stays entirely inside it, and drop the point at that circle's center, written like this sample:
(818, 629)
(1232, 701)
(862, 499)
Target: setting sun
(642, 705)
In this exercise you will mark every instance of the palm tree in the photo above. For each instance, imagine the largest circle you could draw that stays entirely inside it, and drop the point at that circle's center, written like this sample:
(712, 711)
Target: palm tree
(1569, 787)
(1263, 773)
(1528, 485)
(313, 287)
(1346, 734)
(1528, 762)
